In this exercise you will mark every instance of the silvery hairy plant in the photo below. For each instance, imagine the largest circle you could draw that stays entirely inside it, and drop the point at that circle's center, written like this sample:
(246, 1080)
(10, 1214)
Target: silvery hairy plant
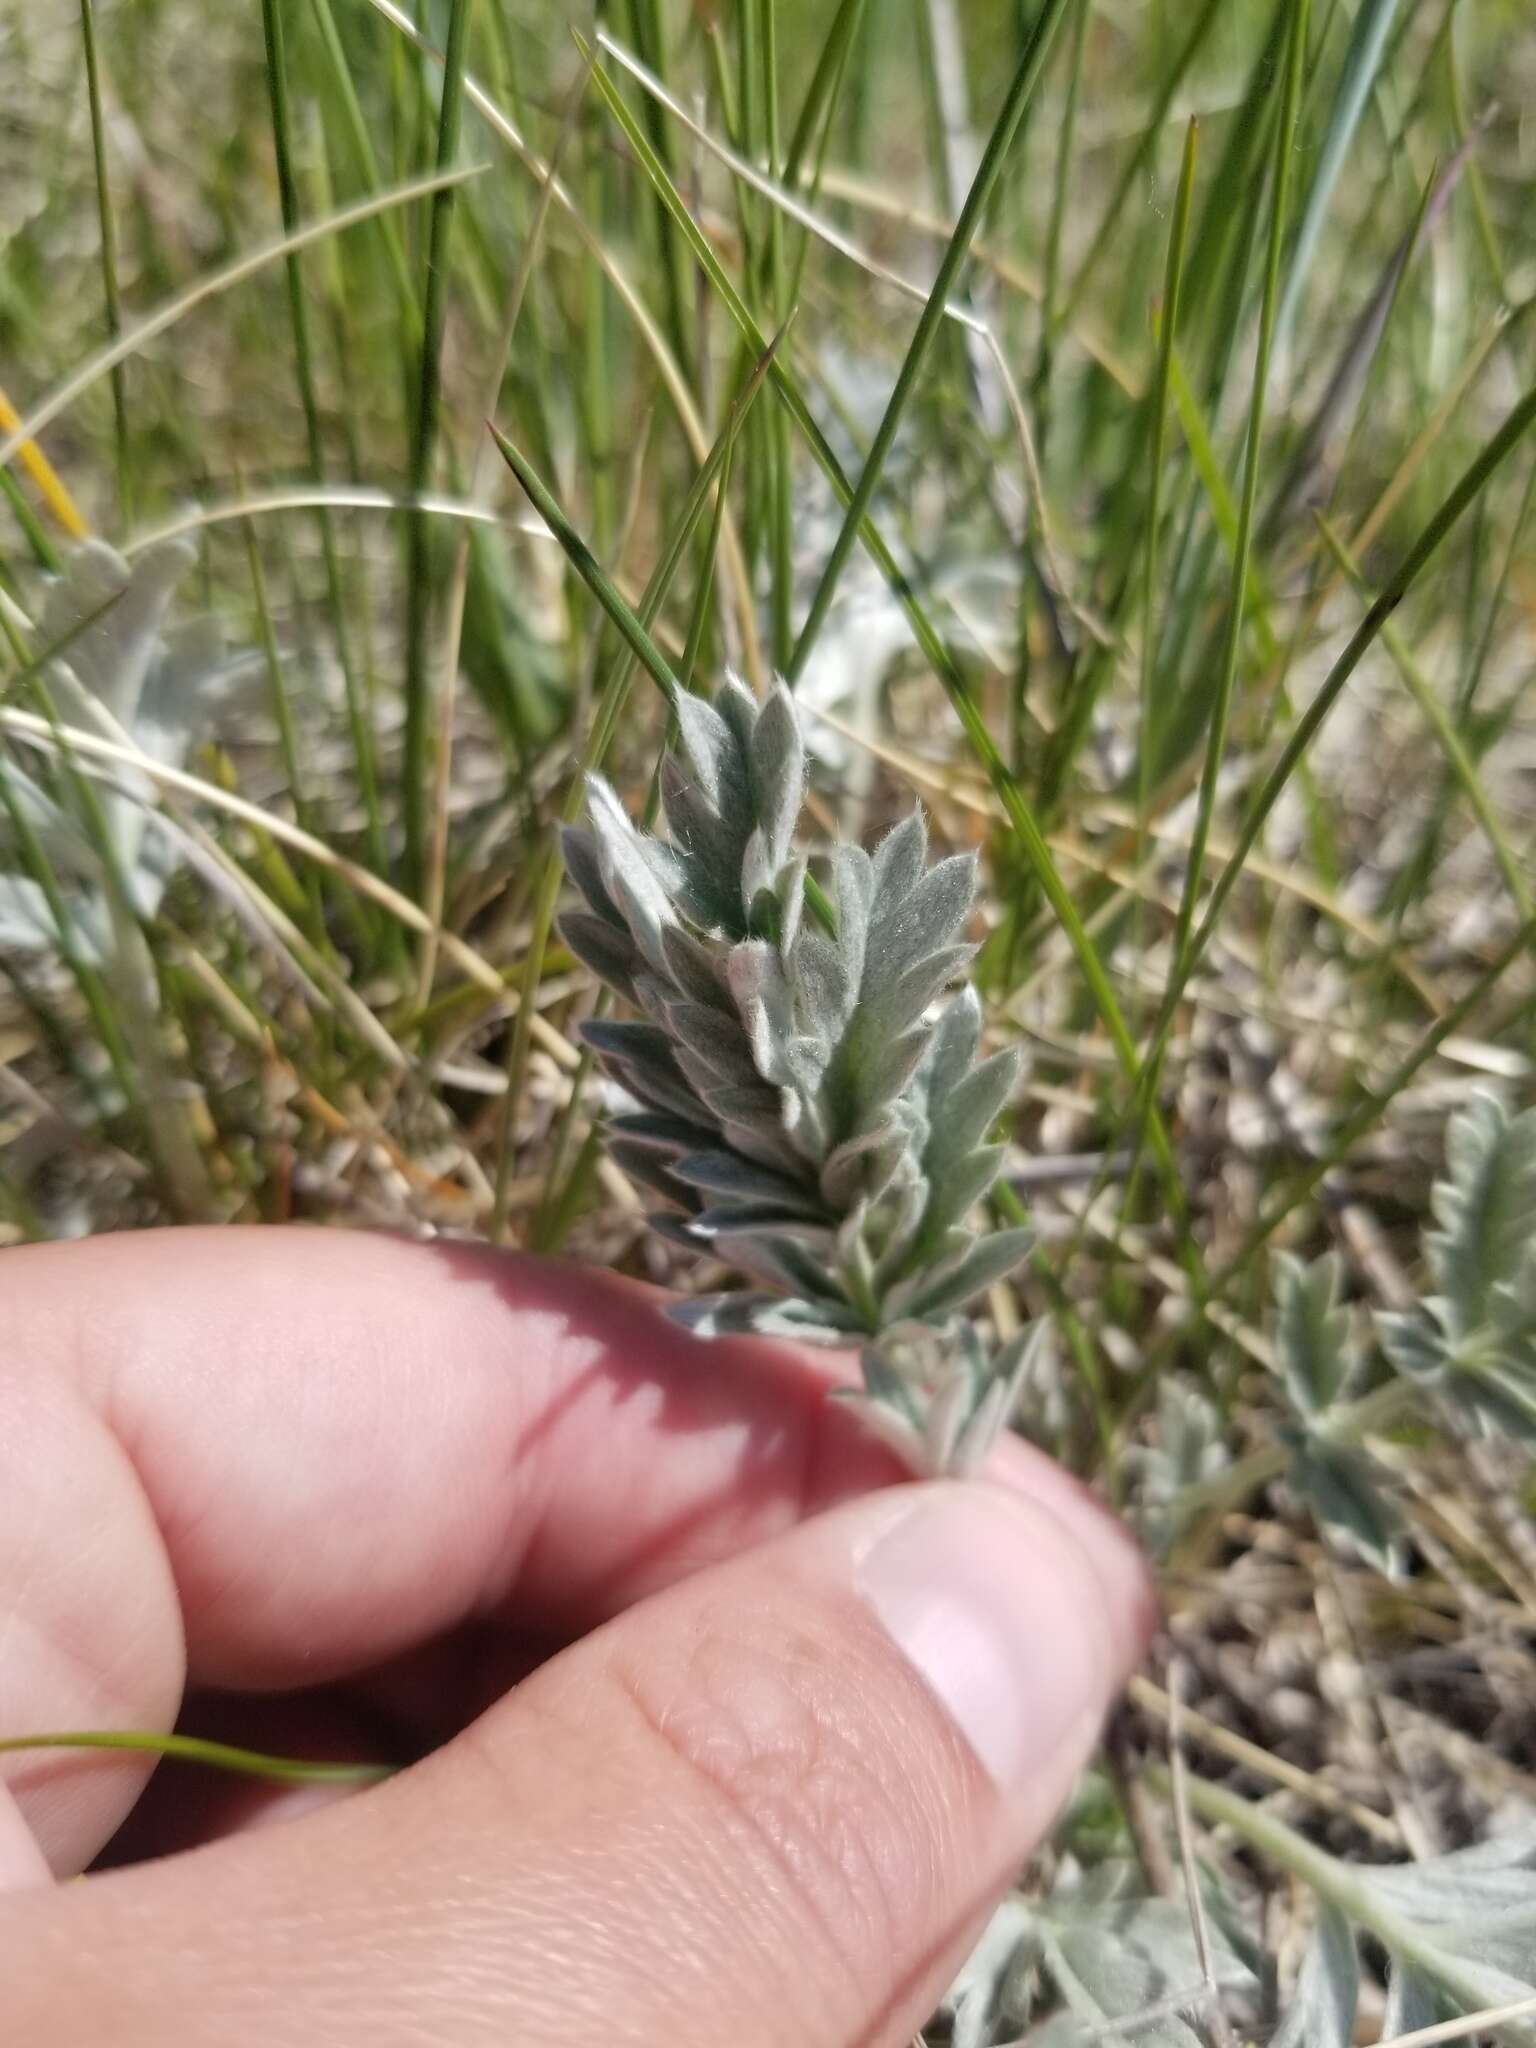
(810, 1105)
(119, 671)
(1096, 1963)
(1472, 1342)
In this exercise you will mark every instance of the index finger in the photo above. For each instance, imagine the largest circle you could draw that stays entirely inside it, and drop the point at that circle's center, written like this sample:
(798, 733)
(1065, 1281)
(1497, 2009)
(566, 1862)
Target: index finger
(270, 1458)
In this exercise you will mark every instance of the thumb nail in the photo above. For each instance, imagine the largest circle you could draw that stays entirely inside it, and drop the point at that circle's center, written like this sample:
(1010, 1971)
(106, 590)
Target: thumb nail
(1011, 1620)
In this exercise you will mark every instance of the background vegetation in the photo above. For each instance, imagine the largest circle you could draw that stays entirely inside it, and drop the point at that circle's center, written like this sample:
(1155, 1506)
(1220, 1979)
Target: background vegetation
(1188, 575)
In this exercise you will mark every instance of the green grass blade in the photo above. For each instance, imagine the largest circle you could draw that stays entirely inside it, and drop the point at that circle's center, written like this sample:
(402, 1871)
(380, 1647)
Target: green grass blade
(1236, 607)
(1460, 762)
(107, 229)
(633, 627)
(1158, 399)
(1140, 159)
(196, 1749)
(1516, 425)
(1252, 461)
(1362, 61)
(358, 718)
(416, 769)
(1025, 78)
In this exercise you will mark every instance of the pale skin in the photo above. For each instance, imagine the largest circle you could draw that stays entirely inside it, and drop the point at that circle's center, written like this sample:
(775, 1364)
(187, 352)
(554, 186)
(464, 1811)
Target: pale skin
(716, 1730)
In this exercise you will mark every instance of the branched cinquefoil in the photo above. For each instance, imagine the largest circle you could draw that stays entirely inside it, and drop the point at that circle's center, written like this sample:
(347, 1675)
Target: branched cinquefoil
(809, 1115)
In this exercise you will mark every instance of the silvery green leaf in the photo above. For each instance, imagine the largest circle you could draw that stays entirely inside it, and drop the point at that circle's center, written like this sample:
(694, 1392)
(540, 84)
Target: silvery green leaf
(759, 872)
(822, 993)
(901, 1433)
(777, 771)
(621, 1038)
(1413, 2001)
(723, 1173)
(852, 895)
(930, 916)
(1499, 1395)
(652, 994)
(1023, 1358)
(663, 1133)
(991, 1415)
(977, 1999)
(860, 1169)
(739, 708)
(628, 873)
(1341, 1486)
(840, 1128)
(727, 1216)
(1413, 1344)
(765, 1315)
(642, 1058)
(960, 1277)
(887, 1073)
(899, 860)
(27, 922)
(780, 1262)
(710, 847)
(714, 755)
(68, 847)
(764, 1002)
(651, 1169)
(694, 969)
(956, 1041)
(712, 1085)
(584, 867)
(790, 890)
(1047, 1399)
(678, 1230)
(1485, 1206)
(902, 1204)
(895, 1370)
(608, 950)
(805, 1122)
(1312, 1337)
(952, 1198)
(884, 1012)
(737, 1112)
(1322, 2010)
(964, 1115)
(1190, 1436)
(716, 1038)
(1118, 1958)
(112, 657)
(1490, 1881)
(1512, 1301)
(951, 1405)
(1189, 1447)
(195, 673)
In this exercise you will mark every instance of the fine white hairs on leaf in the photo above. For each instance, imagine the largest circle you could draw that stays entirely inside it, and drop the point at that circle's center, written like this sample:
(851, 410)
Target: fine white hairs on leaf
(813, 1107)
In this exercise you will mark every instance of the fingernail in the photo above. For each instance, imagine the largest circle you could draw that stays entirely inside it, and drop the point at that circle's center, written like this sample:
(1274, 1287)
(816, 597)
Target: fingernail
(1009, 1620)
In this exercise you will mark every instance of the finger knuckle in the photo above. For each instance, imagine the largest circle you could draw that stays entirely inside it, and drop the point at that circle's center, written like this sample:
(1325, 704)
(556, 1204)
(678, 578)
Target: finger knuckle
(814, 1772)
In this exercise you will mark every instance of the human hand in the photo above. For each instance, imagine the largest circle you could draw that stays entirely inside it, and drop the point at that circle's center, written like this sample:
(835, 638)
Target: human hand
(779, 1731)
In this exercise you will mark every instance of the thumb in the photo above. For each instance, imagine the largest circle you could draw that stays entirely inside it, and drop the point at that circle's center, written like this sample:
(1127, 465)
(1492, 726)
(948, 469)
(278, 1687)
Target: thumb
(767, 1806)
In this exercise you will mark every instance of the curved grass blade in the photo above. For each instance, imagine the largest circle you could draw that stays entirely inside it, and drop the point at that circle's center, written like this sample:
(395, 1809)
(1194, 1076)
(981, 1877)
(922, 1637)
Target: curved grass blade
(63, 395)
(1021, 89)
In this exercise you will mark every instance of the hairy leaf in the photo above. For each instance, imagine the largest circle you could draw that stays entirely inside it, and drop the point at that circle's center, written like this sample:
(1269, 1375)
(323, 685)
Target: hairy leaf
(1322, 2009)
(802, 1103)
